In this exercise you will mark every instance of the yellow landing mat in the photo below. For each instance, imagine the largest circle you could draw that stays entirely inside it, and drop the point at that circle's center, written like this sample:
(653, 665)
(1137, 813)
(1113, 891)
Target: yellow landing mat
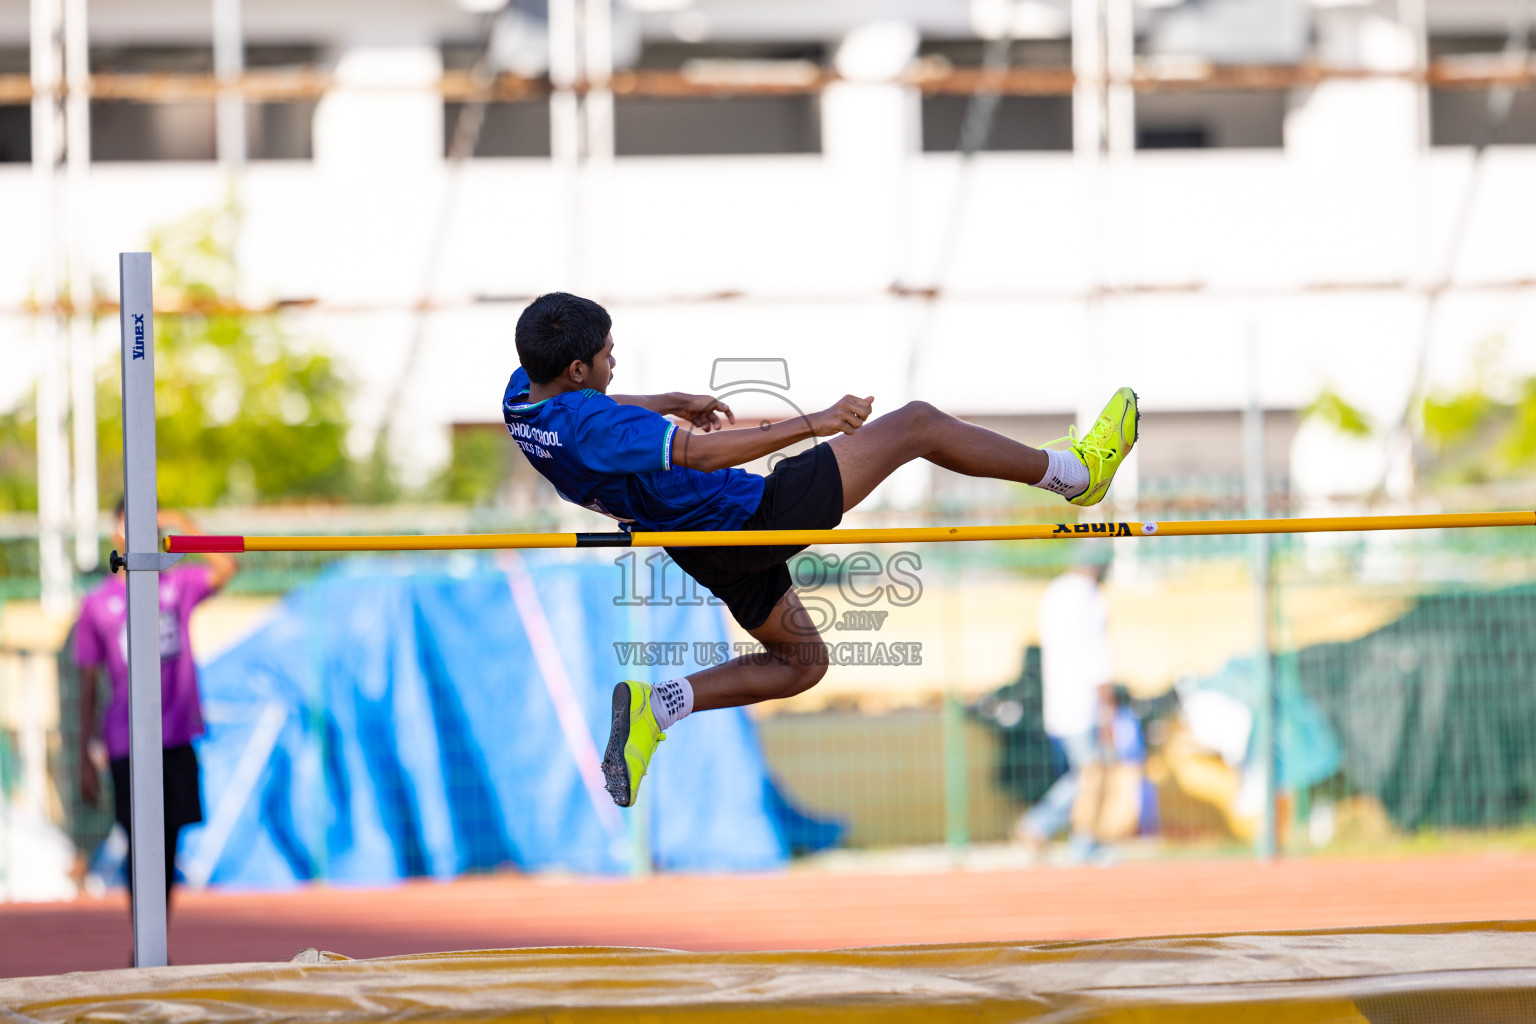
(1457, 974)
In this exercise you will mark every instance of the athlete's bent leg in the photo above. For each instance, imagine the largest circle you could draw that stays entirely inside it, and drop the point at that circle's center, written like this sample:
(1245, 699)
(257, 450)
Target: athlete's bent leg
(794, 660)
(919, 431)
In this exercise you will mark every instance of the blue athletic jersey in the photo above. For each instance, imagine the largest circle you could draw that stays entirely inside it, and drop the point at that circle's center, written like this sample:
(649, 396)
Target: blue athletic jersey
(617, 460)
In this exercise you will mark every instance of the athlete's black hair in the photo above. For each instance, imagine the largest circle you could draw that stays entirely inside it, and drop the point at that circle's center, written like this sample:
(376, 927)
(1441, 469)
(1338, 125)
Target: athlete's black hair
(556, 330)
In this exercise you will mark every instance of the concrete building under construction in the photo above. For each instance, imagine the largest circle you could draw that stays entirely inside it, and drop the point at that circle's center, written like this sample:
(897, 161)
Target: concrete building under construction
(1007, 207)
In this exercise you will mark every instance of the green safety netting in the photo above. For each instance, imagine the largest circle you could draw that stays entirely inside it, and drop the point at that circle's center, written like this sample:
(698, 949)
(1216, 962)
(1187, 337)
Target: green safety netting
(1435, 712)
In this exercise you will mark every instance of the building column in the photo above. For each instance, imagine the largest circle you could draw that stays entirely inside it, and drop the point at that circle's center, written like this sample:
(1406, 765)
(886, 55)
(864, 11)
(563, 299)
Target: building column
(1377, 120)
(1089, 129)
(228, 66)
(379, 146)
(1120, 66)
(597, 32)
(1414, 17)
(564, 73)
(871, 128)
(1088, 67)
(384, 115)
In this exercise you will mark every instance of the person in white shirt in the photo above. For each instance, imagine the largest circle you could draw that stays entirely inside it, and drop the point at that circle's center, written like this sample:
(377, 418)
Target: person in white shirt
(1079, 702)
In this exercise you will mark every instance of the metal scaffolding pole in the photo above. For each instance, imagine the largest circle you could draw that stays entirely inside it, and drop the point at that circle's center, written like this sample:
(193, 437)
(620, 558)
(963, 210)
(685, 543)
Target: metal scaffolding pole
(1090, 130)
(1116, 264)
(1256, 493)
(82, 354)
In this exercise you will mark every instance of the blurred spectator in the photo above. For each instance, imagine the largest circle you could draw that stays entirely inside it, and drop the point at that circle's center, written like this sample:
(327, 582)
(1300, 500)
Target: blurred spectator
(1079, 707)
(101, 639)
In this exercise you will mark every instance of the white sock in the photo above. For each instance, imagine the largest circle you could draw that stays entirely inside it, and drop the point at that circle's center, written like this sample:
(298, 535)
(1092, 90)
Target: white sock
(672, 701)
(1066, 475)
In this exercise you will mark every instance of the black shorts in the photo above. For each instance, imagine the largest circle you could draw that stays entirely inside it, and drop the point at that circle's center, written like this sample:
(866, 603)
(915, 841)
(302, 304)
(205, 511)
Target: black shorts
(804, 492)
(181, 783)
(182, 786)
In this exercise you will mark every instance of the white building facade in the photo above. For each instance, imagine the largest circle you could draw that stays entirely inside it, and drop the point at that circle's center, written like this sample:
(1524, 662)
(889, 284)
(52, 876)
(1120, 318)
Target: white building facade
(1204, 248)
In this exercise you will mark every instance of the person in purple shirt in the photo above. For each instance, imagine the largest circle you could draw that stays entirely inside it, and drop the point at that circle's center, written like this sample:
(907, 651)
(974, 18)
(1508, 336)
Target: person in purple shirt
(101, 640)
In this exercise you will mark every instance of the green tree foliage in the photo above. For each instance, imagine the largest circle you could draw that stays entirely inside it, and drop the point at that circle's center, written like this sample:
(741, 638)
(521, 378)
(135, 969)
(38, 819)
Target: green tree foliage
(480, 468)
(244, 412)
(1332, 409)
(1486, 431)
(1453, 419)
(1518, 446)
(18, 459)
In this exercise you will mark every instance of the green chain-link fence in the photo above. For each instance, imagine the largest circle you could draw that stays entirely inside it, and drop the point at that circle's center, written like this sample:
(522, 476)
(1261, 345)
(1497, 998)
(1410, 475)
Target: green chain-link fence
(1401, 669)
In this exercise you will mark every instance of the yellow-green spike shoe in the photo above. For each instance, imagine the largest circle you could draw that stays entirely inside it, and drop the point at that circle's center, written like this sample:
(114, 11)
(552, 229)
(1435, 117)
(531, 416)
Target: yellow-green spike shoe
(1106, 445)
(632, 740)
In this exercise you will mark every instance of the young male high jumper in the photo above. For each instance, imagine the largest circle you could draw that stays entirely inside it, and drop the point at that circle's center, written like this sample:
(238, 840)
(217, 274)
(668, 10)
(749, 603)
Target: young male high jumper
(620, 455)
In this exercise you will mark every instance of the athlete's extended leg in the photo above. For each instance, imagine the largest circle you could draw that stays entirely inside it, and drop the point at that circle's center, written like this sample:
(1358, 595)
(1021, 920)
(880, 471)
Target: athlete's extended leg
(919, 431)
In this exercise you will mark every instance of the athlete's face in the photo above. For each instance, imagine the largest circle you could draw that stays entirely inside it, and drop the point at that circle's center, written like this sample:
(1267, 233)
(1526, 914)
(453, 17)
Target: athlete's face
(598, 374)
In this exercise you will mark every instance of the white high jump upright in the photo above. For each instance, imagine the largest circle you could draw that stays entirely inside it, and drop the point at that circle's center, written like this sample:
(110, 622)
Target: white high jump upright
(143, 562)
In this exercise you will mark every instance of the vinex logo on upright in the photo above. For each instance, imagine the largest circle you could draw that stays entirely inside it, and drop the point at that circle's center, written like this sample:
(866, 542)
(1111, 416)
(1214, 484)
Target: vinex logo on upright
(138, 335)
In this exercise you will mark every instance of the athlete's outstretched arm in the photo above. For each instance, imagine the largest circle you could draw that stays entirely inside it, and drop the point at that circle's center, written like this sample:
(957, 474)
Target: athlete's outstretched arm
(702, 412)
(723, 448)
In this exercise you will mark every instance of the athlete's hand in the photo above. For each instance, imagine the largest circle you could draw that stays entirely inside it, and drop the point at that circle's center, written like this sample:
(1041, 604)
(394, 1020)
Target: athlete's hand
(703, 412)
(845, 417)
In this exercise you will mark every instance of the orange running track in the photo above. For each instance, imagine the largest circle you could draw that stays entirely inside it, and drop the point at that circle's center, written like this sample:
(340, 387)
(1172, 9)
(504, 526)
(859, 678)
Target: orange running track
(798, 909)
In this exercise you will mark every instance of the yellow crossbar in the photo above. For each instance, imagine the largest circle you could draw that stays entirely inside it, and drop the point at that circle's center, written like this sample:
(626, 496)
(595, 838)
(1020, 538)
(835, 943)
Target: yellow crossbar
(896, 535)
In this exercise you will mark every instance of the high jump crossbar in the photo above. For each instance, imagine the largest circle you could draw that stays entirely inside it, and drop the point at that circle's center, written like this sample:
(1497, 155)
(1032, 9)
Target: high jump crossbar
(184, 545)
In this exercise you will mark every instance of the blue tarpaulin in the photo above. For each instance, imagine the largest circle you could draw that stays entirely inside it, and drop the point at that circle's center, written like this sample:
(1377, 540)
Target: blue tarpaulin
(404, 717)
(1306, 747)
